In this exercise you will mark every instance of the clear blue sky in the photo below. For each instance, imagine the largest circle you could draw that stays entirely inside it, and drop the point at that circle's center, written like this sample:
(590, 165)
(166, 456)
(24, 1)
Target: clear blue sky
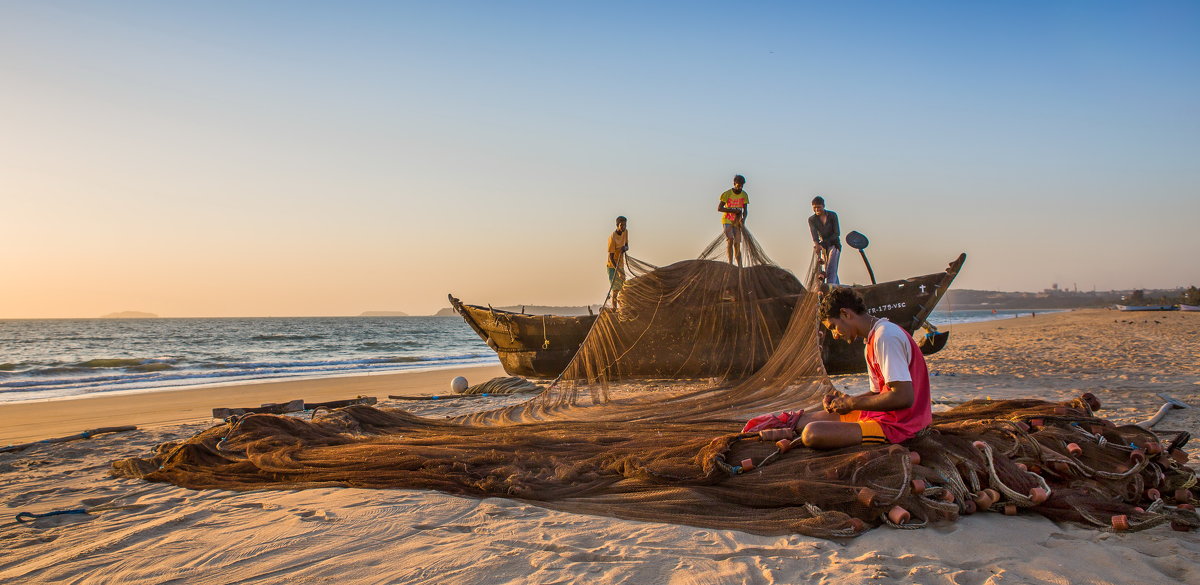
(305, 158)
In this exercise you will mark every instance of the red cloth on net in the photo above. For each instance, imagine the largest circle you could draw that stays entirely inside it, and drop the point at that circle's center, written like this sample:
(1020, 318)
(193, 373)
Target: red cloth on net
(778, 420)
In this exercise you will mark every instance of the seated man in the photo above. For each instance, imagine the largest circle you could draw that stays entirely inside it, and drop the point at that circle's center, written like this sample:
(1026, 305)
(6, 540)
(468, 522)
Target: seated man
(898, 405)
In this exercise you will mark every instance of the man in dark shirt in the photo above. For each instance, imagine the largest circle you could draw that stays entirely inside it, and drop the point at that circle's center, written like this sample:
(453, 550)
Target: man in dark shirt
(826, 236)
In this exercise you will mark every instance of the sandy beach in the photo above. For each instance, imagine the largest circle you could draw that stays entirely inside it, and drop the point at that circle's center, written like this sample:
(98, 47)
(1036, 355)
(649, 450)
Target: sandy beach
(139, 532)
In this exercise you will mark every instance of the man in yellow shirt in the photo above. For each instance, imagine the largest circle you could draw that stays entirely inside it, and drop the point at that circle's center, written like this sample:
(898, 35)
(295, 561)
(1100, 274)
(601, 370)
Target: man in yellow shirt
(618, 244)
(734, 204)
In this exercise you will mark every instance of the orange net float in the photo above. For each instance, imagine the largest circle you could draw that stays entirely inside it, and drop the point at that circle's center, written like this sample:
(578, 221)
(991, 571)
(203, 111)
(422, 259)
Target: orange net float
(747, 465)
(992, 494)
(1153, 448)
(1010, 509)
(772, 435)
(918, 486)
(1060, 467)
(1036, 423)
(947, 496)
(1022, 467)
(969, 507)
(1153, 494)
(1120, 523)
(1091, 400)
(867, 496)
(1186, 507)
(984, 500)
(979, 445)
(1074, 449)
(1038, 495)
(1061, 410)
(1183, 496)
(857, 525)
(898, 515)
(914, 457)
(1180, 456)
(1137, 456)
(784, 445)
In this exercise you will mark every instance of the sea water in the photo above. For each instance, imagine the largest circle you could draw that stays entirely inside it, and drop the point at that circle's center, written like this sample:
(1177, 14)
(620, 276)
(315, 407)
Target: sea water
(53, 358)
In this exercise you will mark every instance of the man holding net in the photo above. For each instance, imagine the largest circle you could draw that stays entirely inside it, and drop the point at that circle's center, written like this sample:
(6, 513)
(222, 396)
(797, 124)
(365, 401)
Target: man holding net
(618, 244)
(898, 405)
(734, 204)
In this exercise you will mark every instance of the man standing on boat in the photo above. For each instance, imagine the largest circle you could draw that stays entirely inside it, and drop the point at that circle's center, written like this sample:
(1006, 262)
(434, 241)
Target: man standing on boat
(618, 244)
(898, 405)
(735, 204)
(826, 236)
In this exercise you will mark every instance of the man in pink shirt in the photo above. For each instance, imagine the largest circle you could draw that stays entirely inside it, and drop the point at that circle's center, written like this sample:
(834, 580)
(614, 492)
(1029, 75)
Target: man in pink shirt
(898, 405)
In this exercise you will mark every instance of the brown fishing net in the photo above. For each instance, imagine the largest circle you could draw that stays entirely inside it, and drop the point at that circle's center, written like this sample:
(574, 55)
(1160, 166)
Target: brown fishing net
(724, 343)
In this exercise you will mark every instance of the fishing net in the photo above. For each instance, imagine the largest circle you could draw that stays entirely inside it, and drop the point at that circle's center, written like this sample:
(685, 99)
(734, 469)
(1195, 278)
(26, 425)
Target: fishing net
(643, 424)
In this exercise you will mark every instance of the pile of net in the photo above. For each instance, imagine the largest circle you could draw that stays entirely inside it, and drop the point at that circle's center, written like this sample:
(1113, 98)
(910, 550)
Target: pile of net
(741, 341)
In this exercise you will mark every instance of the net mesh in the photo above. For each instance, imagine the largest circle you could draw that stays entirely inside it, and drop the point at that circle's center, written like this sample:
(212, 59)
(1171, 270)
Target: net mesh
(723, 343)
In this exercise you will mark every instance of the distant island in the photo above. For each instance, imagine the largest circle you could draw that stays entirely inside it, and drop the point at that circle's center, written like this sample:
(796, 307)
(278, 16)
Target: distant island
(533, 310)
(130, 315)
(383, 314)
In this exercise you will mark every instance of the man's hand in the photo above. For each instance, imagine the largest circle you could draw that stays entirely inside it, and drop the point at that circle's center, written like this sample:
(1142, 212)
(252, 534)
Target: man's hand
(837, 402)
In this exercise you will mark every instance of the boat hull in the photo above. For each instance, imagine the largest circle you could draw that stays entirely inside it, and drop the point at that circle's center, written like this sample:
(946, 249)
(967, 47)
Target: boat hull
(541, 346)
(1145, 308)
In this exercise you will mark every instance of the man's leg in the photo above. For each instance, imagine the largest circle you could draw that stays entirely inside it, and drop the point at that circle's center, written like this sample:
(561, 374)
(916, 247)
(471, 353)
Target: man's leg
(831, 266)
(831, 435)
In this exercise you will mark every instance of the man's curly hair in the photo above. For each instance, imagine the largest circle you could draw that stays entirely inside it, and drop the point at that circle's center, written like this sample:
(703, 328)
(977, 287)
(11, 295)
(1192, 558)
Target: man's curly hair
(838, 298)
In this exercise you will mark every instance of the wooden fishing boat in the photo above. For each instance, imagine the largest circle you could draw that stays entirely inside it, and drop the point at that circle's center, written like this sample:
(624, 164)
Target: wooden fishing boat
(1183, 307)
(1145, 307)
(541, 346)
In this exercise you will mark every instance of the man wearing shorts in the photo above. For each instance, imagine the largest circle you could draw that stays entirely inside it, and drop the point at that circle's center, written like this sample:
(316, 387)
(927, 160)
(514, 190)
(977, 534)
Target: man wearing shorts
(898, 405)
(734, 204)
(618, 244)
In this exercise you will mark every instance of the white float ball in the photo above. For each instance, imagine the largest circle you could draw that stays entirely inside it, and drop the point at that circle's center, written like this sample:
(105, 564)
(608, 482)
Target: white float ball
(458, 384)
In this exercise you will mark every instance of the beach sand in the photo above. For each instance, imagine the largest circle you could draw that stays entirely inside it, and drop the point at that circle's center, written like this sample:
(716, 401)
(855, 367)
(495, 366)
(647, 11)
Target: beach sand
(162, 533)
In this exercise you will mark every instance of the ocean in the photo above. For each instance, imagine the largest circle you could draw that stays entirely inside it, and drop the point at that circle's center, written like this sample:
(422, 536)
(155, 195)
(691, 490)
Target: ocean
(54, 358)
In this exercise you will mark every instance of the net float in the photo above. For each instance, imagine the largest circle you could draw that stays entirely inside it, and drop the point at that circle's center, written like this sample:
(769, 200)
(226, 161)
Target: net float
(914, 457)
(1074, 449)
(1023, 426)
(857, 525)
(984, 500)
(1120, 522)
(1180, 456)
(918, 486)
(992, 494)
(1186, 507)
(947, 496)
(1153, 494)
(1010, 509)
(775, 434)
(1038, 495)
(747, 465)
(1060, 410)
(784, 445)
(1035, 469)
(1037, 423)
(1153, 447)
(898, 515)
(1022, 467)
(1060, 467)
(1137, 456)
(969, 507)
(1183, 496)
(866, 496)
(1091, 400)
(1139, 509)
(979, 445)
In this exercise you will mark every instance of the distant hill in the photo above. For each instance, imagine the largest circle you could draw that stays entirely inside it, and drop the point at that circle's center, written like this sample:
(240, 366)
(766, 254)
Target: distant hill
(130, 315)
(532, 310)
(1047, 299)
(383, 314)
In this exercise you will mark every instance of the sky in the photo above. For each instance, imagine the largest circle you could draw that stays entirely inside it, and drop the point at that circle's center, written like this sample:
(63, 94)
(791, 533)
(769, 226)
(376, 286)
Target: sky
(231, 158)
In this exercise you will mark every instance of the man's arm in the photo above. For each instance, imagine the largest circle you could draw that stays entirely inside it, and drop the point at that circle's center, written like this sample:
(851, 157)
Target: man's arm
(812, 229)
(898, 397)
(837, 229)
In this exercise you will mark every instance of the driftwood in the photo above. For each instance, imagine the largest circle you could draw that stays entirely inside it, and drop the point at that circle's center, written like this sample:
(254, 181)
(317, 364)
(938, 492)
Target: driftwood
(292, 406)
(84, 435)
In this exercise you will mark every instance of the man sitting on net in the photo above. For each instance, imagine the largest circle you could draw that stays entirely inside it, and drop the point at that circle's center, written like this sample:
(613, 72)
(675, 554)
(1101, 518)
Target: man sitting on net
(898, 405)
